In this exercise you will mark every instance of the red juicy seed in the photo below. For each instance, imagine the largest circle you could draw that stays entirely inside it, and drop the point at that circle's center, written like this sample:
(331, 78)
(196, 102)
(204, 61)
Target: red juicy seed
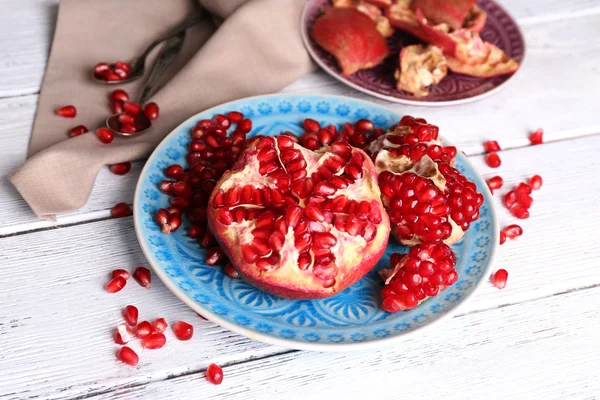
(151, 110)
(130, 314)
(214, 374)
(499, 278)
(119, 95)
(123, 66)
(215, 256)
(245, 125)
(101, 68)
(66, 111)
(105, 135)
(235, 116)
(126, 119)
(143, 277)
(78, 130)
(121, 168)
(154, 341)
(310, 125)
(159, 325)
(128, 356)
(513, 231)
(194, 231)
(183, 330)
(120, 272)
(174, 171)
(115, 285)
(222, 121)
(495, 182)
(537, 137)
(143, 329)
(231, 272)
(120, 210)
(128, 128)
(117, 107)
(132, 108)
(363, 125)
(491, 146)
(493, 160)
(510, 199)
(535, 182)
(519, 212)
(502, 237)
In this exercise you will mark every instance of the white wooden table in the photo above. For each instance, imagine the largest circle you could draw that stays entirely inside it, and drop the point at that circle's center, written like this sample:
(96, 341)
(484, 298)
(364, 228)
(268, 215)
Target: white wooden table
(537, 339)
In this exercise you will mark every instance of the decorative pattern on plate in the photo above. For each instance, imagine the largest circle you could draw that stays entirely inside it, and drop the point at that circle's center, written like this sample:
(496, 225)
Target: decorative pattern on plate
(331, 324)
(500, 30)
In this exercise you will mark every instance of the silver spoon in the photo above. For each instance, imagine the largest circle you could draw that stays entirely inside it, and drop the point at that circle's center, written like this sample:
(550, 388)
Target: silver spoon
(172, 48)
(138, 64)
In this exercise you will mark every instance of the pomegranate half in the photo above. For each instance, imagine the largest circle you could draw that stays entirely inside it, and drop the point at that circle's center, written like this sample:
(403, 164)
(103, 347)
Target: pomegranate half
(297, 223)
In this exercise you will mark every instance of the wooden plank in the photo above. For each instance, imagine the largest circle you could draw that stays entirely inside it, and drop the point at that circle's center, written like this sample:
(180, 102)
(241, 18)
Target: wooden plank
(55, 318)
(544, 349)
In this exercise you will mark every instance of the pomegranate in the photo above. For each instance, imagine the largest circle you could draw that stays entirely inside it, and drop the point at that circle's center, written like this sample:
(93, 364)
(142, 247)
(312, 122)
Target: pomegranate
(214, 374)
(351, 37)
(66, 111)
(128, 356)
(451, 12)
(427, 269)
(296, 223)
(426, 197)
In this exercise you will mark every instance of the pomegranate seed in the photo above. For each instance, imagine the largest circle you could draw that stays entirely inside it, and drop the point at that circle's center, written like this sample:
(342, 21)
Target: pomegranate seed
(174, 171)
(495, 182)
(222, 121)
(154, 341)
(214, 374)
(364, 125)
(231, 272)
(194, 231)
(235, 116)
(159, 325)
(132, 108)
(101, 68)
(120, 272)
(143, 329)
(130, 314)
(128, 356)
(535, 182)
(510, 199)
(124, 334)
(493, 160)
(143, 277)
(502, 237)
(215, 256)
(499, 278)
(78, 130)
(151, 111)
(115, 284)
(105, 135)
(491, 146)
(183, 330)
(123, 65)
(310, 125)
(117, 107)
(128, 128)
(513, 231)
(245, 126)
(537, 137)
(519, 212)
(126, 119)
(119, 95)
(121, 168)
(66, 111)
(120, 210)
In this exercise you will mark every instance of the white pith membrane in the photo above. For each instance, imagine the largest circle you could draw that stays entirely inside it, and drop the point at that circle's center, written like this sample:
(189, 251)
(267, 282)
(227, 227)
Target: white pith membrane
(349, 251)
(420, 67)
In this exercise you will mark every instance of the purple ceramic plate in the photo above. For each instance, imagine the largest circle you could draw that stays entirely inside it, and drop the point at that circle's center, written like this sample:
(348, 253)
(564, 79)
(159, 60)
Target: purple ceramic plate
(500, 29)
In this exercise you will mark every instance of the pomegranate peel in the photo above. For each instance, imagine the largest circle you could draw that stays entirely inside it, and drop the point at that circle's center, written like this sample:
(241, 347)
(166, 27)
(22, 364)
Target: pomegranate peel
(451, 12)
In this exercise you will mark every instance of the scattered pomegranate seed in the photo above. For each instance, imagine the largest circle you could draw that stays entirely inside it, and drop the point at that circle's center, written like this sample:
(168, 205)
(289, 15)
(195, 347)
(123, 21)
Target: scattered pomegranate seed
(310, 125)
(121, 168)
(495, 182)
(183, 330)
(493, 160)
(151, 111)
(235, 116)
(117, 107)
(119, 95)
(67, 111)
(132, 108)
(502, 237)
(143, 329)
(491, 146)
(510, 199)
(174, 171)
(535, 182)
(78, 130)
(159, 325)
(120, 210)
(143, 277)
(124, 334)
(519, 212)
(214, 374)
(115, 284)
(513, 231)
(128, 356)
(130, 314)
(105, 135)
(231, 272)
(120, 272)
(154, 341)
(499, 278)
(537, 137)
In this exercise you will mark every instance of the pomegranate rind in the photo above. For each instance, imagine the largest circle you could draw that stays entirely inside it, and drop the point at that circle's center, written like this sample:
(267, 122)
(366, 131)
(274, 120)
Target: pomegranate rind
(451, 12)
(352, 37)
(355, 256)
(420, 67)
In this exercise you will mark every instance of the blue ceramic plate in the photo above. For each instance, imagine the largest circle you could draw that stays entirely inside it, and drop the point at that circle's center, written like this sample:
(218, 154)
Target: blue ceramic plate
(348, 321)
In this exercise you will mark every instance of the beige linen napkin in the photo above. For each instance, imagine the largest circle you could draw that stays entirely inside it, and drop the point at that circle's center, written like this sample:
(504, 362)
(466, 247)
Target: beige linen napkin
(256, 50)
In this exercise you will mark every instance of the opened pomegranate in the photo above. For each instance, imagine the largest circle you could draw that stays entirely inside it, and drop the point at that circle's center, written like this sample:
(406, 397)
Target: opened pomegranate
(427, 269)
(300, 224)
(426, 197)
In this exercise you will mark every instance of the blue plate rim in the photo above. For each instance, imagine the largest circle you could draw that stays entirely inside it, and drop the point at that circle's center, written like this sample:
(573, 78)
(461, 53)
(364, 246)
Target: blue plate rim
(290, 343)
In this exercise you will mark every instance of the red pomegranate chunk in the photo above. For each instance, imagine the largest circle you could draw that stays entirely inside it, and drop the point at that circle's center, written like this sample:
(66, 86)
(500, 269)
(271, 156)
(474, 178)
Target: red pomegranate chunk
(66, 111)
(537, 137)
(121, 168)
(128, 356)
(120, 210)
(143, 277)
(427, 269)
(499, 278)
(491, 146)
(493, 160)
(214, 374)
(183, 330)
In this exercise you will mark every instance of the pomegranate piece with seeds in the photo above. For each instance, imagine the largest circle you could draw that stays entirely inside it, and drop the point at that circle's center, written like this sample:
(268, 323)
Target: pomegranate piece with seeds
(143, 277)
(128, 356)
(120, 210)
(66, 111)
(121, 168)
(116, 284)
(427, 269)
(183, 330)
(154, 341)
(130, 314)
(296, 223)
(537, 137)
(214, 374)
(493, 160)
(499, 278)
